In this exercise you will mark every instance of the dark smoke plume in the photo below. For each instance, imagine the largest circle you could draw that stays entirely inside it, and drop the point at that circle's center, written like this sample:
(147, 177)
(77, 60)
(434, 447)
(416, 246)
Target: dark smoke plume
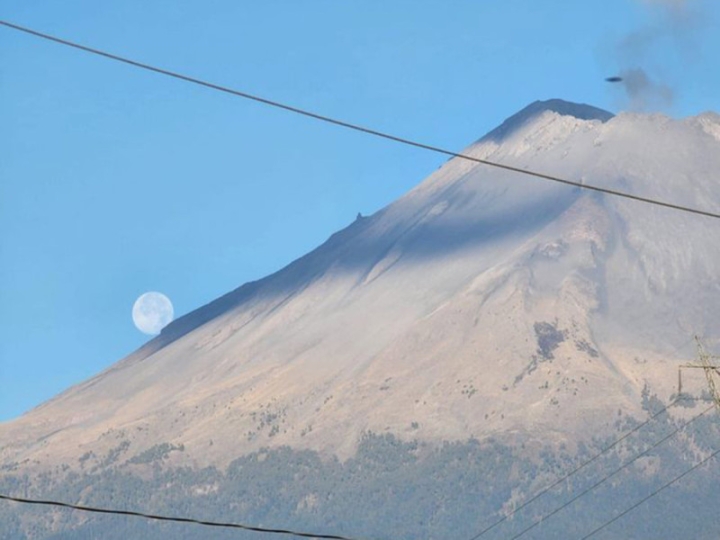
(644, 93)
(645, 53)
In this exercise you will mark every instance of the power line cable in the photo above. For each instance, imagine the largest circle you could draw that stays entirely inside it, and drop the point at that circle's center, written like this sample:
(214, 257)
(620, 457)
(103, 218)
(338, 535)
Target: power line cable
(606, 478)
(357, 127)
(131, 513)
(644, 500)
(576, 470)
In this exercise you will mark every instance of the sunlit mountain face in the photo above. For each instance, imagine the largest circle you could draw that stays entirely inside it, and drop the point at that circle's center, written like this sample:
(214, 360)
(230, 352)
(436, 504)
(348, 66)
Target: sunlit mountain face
(469, 340)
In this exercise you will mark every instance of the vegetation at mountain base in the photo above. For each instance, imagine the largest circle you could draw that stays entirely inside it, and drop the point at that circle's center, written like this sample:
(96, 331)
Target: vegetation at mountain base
(391, 489)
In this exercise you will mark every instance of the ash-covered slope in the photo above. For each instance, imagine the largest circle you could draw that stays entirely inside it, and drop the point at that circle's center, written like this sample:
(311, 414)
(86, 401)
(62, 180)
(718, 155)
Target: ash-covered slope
(482, 303)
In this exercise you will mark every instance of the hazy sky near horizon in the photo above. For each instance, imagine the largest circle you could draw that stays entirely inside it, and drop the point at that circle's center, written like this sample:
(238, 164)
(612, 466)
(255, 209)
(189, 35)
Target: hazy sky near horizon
(115, 181)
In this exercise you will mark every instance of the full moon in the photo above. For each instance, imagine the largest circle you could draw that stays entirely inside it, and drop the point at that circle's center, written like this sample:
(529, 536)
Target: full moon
(152, 312)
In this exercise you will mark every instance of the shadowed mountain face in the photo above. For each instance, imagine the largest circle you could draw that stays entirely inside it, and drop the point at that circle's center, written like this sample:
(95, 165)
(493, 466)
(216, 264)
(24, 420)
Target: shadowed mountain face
(481, 304)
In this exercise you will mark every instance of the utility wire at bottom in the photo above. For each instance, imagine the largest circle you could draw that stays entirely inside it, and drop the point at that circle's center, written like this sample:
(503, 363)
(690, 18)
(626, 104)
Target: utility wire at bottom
(616, 471)
(576, 470)
(156, 517)
(653, 494)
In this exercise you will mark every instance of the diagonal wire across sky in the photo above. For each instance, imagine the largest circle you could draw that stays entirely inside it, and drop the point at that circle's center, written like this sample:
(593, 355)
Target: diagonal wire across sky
(353, 126)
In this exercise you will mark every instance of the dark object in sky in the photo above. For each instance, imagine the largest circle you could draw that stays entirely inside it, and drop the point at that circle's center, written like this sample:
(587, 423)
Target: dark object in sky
(614, 79)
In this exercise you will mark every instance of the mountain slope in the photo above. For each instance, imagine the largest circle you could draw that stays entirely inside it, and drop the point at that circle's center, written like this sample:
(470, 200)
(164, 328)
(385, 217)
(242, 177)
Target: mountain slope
(481, 304)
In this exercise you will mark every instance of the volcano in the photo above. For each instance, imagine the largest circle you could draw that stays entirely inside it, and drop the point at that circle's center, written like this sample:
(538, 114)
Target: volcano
(482, 305)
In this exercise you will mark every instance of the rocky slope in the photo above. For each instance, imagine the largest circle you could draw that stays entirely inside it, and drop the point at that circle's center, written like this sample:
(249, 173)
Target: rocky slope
(481, 304)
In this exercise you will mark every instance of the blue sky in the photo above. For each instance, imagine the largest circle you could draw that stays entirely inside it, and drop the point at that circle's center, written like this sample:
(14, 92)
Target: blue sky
(115, 181)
